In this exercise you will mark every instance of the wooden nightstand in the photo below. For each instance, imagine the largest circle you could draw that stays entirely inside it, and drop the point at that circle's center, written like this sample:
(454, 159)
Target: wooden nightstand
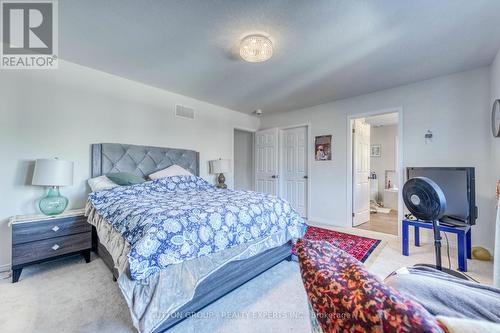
(40, 238)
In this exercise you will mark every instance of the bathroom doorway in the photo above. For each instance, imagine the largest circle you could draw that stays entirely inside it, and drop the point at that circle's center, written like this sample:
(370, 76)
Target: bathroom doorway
(376, 172)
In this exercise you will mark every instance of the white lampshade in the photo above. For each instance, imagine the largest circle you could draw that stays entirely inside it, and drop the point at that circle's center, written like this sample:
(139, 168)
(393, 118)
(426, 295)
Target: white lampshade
(53, 172)
(220, 166)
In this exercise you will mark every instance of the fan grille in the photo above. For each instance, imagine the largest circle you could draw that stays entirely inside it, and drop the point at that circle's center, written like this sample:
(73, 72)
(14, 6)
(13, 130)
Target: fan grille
(424, 199)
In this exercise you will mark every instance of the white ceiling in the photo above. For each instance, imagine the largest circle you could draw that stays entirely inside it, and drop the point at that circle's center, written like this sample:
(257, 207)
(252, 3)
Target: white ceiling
(324, 50)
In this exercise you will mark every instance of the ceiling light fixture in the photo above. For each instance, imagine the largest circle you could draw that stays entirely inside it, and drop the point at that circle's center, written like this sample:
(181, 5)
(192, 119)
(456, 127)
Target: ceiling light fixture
(256, 48)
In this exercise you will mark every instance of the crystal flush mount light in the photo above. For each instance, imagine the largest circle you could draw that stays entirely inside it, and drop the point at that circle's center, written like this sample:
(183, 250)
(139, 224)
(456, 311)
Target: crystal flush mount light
(256, 48)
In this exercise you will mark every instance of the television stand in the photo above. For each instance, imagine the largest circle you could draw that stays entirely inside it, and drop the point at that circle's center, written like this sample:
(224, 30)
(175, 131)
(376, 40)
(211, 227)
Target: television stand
(463, 233)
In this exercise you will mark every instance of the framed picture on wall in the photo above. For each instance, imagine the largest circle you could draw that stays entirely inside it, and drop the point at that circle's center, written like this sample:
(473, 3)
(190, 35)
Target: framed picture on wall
(376, 150)
(323, 148)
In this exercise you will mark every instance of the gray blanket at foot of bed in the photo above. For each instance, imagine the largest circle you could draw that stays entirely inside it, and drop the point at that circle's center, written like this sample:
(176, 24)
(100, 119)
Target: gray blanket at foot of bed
(445, 295)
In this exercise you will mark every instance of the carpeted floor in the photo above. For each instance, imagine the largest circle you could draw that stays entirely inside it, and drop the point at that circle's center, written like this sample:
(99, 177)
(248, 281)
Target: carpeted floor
(71, 296)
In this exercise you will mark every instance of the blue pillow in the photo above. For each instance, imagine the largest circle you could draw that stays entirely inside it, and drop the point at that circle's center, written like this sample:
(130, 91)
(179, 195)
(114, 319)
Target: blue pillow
(125, 178)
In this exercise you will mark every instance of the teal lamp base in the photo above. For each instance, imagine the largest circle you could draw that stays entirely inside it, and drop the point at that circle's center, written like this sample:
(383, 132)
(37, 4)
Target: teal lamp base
(53, 203)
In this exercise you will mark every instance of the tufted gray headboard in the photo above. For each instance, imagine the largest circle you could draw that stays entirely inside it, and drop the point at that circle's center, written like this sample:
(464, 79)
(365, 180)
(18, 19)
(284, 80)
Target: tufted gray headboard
(140, 160)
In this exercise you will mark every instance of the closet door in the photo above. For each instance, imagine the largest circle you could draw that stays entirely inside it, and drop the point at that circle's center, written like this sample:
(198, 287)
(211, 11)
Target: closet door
(266, 161)
(294, 170)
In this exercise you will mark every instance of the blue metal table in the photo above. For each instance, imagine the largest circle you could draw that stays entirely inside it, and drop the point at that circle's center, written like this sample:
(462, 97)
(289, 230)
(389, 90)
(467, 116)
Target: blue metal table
(464, 235)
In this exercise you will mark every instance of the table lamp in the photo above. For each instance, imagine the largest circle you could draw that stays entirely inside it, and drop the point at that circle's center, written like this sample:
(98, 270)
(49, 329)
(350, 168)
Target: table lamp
(219, 167)
(53, 173)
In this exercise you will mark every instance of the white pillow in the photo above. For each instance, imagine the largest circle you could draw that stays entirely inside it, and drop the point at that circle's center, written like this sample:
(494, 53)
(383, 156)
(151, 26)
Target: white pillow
(101, 183)
(173, 170)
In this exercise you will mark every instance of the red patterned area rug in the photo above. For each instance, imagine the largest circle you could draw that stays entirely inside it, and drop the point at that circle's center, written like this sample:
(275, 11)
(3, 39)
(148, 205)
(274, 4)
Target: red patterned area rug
(359, 247)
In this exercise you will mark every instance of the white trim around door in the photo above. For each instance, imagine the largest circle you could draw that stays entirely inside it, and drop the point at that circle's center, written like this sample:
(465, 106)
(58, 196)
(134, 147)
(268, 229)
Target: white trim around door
(349, 171)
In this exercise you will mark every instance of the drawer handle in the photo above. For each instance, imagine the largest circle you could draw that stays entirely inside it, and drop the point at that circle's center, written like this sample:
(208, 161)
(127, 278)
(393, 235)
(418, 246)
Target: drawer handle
(55, 228)
(55, 247)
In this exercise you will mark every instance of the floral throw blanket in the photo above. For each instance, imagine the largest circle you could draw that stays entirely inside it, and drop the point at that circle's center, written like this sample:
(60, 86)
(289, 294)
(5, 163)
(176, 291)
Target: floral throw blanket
(345, 297)
(173, 219)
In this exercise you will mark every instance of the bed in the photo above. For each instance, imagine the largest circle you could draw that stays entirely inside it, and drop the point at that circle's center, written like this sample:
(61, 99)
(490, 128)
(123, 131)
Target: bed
(198, 282)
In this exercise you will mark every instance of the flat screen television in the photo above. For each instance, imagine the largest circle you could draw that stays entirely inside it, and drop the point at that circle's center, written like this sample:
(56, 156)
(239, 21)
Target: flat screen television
(459, 187)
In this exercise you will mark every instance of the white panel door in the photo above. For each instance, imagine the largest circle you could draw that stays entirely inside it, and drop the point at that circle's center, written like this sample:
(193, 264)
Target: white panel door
(266, 161)
(294, 169)
(361, 172)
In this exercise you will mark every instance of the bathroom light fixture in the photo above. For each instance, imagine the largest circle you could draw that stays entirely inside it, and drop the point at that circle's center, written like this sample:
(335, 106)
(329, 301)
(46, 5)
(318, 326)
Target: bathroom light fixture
(256, 48)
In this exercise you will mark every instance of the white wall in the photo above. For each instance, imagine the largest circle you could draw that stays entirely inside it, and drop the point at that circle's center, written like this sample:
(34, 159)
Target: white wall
(495, 154)
(243, 160)
(61, 112)
(386, 137)
(495, 94)
(454, 107)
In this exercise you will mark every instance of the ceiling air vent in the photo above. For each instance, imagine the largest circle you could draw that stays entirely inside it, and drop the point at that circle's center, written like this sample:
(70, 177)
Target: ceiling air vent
(184, 112)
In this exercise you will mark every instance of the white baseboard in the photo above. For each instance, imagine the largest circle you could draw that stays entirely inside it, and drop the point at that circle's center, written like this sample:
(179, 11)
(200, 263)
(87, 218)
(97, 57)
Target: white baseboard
(5, 267)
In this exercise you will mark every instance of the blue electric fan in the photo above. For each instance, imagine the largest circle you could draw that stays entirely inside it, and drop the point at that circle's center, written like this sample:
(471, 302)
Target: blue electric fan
(427, 202)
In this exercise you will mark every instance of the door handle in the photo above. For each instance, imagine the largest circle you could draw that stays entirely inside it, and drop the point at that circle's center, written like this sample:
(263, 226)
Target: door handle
(305, 177)
(274, 176)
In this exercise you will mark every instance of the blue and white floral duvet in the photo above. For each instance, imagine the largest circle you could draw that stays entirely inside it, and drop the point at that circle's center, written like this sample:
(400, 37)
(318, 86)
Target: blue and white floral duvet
(173, 219)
